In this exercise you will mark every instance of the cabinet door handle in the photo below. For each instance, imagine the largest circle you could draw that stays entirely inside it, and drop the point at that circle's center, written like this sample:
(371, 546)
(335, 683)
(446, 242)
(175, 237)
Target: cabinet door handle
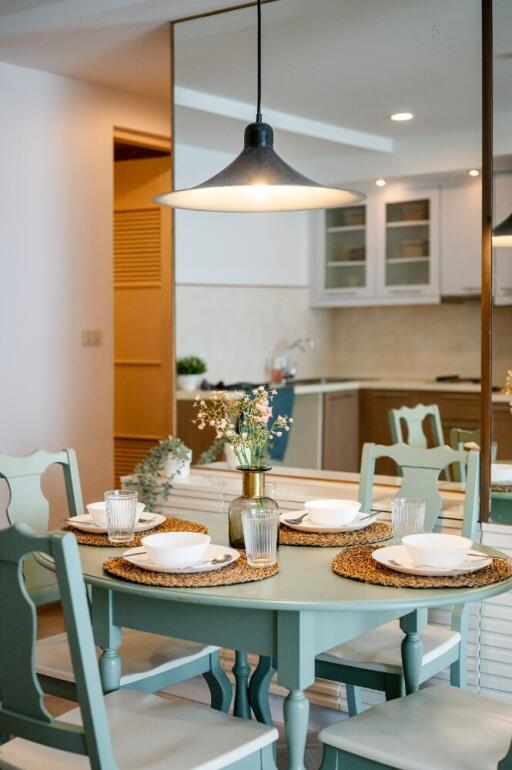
(411, 292)
(504, 290)
(471, 289)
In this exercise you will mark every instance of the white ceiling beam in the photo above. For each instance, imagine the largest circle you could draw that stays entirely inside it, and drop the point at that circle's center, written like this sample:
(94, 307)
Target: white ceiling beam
(295, 124)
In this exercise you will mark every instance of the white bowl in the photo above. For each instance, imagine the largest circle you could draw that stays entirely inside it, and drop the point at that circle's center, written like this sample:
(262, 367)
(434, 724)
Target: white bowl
(98, 513)
(436, 550)
(501, 473)
(332, 511)
(176, 549)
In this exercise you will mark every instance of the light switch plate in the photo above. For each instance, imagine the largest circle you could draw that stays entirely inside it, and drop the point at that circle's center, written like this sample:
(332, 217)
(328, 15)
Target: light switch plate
(92, 336)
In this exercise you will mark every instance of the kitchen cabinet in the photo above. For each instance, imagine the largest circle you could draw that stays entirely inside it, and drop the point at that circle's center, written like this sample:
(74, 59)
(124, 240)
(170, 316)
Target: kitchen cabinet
(461, 239)
(382, 252)
(341, 431)
(342, 268)
(502, 258)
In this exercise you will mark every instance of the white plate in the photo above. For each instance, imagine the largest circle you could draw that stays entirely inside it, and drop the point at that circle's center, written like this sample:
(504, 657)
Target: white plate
(395, 557)
(140, 558)
(85, 523)
(307, 525)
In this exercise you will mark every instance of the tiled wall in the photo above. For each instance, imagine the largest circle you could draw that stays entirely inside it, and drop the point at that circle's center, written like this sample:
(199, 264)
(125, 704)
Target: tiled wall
(236, 329)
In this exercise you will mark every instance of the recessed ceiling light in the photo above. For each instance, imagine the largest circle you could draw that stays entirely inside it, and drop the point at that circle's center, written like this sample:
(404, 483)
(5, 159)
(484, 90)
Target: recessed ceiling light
(399, 116)
(380, 182)
(474, 172)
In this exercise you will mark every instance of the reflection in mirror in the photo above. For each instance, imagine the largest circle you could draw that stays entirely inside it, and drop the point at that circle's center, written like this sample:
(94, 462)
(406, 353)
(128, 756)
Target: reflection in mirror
(501, 469)
(361, 310)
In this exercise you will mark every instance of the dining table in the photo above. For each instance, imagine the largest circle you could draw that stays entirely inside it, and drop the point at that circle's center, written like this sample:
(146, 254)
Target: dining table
(287, 619)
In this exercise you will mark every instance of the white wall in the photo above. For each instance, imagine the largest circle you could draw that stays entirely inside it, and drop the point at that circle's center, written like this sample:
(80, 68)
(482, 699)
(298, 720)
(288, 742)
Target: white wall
(56, 262)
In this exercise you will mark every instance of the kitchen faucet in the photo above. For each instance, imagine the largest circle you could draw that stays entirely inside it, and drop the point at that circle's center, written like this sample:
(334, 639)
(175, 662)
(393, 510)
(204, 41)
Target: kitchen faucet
(288, 368)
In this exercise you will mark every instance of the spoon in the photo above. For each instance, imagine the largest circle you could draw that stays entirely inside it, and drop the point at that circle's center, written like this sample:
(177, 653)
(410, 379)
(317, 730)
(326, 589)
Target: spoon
(298, 520)
(146, 519)
(217, 560)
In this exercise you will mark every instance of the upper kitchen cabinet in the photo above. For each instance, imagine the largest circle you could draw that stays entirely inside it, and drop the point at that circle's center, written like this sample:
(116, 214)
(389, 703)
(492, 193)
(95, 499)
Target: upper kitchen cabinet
(502, 258)
(408, 248)
(341, 263)
(382, 252)
(461, 239)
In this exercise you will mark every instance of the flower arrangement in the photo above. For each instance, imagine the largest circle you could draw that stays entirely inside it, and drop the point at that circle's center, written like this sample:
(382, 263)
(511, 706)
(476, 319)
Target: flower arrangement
(150, 482)
(507, 389)
(247, 423)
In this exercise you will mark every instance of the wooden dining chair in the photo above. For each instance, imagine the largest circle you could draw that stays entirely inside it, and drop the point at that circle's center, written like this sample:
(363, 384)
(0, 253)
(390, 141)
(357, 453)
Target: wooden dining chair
(458, 438)
(374, 660)
(413, 419)
(124, 730)
(437, 728)
(150, 662)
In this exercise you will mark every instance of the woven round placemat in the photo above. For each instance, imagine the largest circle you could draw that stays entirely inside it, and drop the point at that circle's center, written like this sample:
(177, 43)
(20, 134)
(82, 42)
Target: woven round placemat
(169, 525)
(357, 564)
(374, 533)
(237, 572)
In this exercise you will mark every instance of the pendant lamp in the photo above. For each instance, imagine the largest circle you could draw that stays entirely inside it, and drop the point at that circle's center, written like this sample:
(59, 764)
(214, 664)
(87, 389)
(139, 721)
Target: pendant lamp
(258, 179)
(502, 234)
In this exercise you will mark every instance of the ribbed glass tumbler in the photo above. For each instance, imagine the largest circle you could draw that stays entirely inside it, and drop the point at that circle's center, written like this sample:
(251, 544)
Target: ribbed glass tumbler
(407, 517)
(261, 527)
(121, 511)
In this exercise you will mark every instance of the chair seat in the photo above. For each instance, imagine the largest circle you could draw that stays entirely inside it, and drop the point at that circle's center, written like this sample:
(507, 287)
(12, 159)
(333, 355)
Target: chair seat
(379, 649)
(143, 655)
(437, 728)
(152, 733)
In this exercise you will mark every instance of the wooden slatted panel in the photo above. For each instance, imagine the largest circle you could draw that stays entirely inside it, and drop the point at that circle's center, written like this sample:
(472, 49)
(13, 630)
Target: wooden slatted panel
(137, 246)
(127, 453)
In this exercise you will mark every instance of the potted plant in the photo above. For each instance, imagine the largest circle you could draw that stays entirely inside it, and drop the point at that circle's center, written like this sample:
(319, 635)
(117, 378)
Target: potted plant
(190, 371)
(248, 425)
(155, 472)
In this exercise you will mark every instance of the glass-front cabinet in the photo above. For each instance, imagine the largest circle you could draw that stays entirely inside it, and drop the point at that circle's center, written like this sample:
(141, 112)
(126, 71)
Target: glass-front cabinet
(382, 251)
(409, 248)
(342, 272)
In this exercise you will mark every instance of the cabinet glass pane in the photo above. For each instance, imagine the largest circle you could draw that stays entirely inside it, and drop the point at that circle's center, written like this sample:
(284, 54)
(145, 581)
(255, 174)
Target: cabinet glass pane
(408, 243)
(345, 276)
(345, 248)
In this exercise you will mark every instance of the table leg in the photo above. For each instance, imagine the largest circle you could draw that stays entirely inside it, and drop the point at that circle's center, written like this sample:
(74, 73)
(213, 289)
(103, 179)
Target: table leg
(296, 717)
(107, 635)
(241, 670)
(412, 648)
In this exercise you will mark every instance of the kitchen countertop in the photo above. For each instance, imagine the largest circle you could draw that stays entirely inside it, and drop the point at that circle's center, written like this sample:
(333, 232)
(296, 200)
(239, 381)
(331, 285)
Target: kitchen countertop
(373, 384)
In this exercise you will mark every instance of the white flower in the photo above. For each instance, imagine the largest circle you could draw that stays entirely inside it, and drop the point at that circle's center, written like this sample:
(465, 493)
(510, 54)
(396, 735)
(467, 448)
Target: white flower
(279, 433)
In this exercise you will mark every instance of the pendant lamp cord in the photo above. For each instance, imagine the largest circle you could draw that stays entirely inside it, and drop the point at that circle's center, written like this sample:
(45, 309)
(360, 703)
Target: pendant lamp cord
(258, 107)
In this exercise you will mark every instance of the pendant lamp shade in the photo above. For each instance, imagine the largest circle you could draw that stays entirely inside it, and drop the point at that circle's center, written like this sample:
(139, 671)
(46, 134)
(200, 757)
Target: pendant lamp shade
(502, 234)
(258, 180)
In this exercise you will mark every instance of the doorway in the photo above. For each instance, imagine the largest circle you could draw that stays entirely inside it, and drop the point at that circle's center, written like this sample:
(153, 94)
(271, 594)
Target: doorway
(143, 299)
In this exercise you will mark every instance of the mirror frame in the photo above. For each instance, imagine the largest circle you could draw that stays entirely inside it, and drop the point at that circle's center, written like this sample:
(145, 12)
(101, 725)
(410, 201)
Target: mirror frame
(486, 302)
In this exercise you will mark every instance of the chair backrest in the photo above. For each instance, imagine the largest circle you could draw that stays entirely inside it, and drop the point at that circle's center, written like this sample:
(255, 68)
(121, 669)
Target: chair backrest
(459, 437)
(421, 470)
(29, 505)
(414, 418)
(22, 710)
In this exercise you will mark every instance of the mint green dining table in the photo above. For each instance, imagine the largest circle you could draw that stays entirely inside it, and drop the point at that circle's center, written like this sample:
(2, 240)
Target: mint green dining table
(303, 611)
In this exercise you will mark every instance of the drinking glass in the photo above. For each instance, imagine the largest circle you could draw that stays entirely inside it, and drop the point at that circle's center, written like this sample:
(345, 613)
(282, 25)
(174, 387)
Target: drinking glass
(121, 510)
(260, 527)
(407, 517)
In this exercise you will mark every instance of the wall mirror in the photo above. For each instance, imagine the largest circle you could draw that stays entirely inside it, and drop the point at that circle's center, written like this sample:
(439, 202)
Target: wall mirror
(371, 307)
(501, 477)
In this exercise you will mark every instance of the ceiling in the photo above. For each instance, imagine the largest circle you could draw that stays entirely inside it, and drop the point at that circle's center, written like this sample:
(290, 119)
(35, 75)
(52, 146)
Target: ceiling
(344, 63)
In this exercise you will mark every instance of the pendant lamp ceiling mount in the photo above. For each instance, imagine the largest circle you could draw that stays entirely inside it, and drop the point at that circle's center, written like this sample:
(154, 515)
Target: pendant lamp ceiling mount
(258, 179)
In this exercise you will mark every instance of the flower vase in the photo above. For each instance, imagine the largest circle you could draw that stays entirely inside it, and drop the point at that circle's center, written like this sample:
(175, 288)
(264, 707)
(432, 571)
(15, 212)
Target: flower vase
(253, 496)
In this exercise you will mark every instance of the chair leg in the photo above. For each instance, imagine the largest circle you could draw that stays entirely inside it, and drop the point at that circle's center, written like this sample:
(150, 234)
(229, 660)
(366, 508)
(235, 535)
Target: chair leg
(353, 700)
(258, 689)
(329, 758)
(220, 687)
(458, 672)
(395, 687)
